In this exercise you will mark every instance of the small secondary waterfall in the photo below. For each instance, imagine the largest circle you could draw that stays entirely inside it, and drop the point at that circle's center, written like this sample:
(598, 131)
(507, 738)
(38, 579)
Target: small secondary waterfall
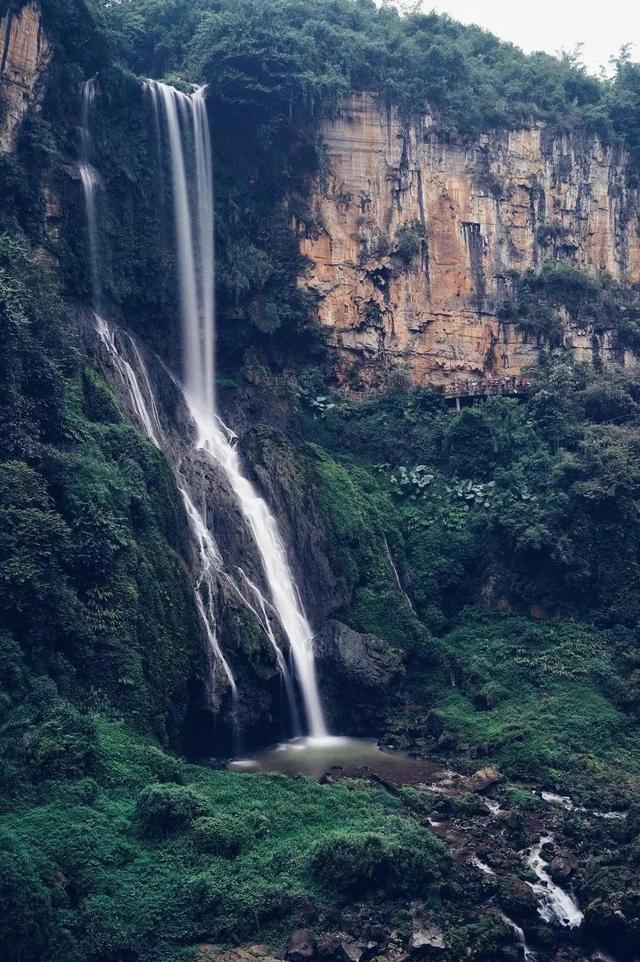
(90, 183)
(555, 905)
(210, 566)
(147, 415)
(187, 130)
(519, 938)
(137, 386)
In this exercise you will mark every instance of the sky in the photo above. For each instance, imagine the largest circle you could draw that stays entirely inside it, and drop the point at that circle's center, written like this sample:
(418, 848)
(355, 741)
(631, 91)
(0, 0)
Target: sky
(554, 25)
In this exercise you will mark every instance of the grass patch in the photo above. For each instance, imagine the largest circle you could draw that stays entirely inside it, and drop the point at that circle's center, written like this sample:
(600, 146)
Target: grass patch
(134, 862)
(558, 717)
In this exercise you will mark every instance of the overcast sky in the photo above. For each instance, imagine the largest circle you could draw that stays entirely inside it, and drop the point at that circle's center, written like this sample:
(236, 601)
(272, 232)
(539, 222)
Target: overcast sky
(553, 25)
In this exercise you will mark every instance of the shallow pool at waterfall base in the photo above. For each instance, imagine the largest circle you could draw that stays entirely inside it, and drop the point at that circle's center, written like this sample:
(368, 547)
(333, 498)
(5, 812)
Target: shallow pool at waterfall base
(342, 757)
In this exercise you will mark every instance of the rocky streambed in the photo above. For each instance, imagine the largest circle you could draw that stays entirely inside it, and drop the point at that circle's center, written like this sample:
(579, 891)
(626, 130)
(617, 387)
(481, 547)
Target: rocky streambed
(525, 881)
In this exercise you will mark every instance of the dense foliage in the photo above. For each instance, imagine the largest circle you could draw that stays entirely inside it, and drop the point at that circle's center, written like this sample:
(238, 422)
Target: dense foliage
(536, 502)
(124, 863)
(93, 594)
(541, 303)
(275, 57)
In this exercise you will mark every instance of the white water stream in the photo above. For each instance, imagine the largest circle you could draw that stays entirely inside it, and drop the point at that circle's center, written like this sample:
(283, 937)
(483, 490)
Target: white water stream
(186, 124)
(564, 801)
(519, 937)
(555, 905)
(90, 182)
(145, 409)
(147, 415)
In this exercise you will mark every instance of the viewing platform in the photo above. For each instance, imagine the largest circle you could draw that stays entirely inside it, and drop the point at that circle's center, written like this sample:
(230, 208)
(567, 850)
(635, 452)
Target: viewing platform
(465, 391)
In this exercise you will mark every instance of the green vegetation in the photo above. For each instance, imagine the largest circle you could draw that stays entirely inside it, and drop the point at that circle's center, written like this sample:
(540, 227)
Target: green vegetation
(546, 700)
(94, 601)
(541, 301)
(535, 502)
(279, 56)
(530, 507)
(140, 857)
(274, 69)
(403, 860)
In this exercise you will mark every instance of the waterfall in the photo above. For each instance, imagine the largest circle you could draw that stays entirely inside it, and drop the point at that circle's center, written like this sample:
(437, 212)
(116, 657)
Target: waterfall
(555, 905)
(90, 183)
(136, 383)
(519, 937)
(137, 387)
(210, 566)
(185, 121)
(148, 416)
(187, 130)
(142, 400)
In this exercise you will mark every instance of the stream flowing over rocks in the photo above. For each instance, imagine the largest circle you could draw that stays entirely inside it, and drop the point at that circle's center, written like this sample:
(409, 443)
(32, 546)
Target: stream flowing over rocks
(542, 919)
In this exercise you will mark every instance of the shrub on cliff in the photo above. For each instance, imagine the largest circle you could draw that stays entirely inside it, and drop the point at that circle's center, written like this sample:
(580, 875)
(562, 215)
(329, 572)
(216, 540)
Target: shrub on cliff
(405, 860)
(64, 745)
(222, 835)
(26, 908)
(162, 809)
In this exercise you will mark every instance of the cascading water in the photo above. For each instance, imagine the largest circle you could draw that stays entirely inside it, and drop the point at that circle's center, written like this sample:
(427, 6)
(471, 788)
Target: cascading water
(148, 416)
(519, 938)
(137, 386)
(190, 152)
(210, 566)
(143, 402)
(90, 183)
(555, 905)
(188, 138)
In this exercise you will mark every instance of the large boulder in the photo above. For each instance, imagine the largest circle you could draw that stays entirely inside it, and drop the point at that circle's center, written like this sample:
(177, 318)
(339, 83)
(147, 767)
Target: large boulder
(615, 919)
(301, 946)
(363, 660)
(484, 779)
(341, 947)
(243, 953)
(517, 899)
(359, 675)
(427, 935)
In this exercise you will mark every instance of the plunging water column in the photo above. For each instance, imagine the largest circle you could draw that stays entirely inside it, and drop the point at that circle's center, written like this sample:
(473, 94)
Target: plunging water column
(137, 387)
(188, 137)
(90, 182)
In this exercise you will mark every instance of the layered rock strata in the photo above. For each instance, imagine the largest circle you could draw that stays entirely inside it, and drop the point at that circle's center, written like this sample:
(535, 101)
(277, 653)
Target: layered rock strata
(415, 240)
(25, 53)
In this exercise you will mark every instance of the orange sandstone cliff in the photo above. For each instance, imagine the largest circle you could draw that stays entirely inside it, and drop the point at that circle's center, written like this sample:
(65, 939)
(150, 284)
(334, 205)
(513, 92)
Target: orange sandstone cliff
(25, 53)
(475, 212)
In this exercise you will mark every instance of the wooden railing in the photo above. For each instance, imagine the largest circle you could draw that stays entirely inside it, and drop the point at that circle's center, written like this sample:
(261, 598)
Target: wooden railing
(469, 388)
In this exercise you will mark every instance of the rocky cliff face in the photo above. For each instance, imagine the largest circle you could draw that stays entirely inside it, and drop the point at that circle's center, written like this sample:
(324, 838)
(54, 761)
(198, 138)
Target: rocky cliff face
(415, 240)
(24, 55)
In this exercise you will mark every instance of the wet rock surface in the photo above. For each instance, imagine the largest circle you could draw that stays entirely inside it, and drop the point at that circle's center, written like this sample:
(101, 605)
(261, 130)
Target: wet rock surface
(484, 779)
(357, 672)
(302, 946)
(363, 659)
